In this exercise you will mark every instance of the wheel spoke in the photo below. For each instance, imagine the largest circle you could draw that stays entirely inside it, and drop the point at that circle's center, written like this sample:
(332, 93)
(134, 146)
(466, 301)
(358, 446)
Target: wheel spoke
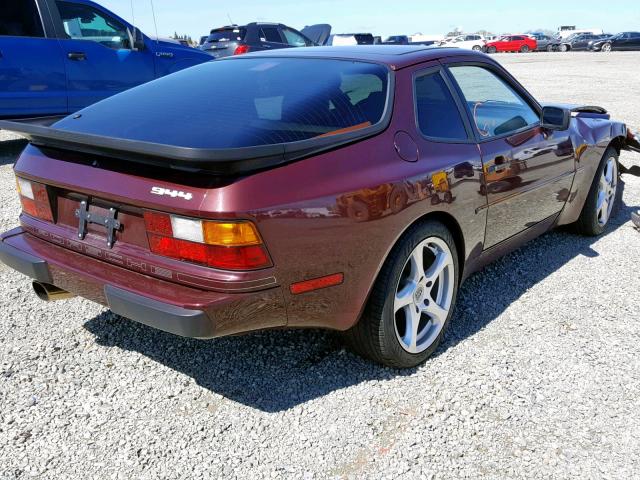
(417, 264)
(436, 312)
(404, 297)
(602, 199)
(410, 337)
(441, 262)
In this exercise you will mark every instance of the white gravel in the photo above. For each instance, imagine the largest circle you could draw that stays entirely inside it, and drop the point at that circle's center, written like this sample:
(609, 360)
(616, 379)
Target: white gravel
(539, 376)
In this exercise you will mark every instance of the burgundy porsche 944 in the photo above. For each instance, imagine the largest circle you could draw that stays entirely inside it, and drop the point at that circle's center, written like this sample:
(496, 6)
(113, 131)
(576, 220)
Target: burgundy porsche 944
(348, 188)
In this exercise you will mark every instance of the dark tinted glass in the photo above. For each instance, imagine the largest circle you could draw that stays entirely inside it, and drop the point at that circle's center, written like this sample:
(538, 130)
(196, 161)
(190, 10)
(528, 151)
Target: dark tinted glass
(244, 102)
(270, 34)
(438, 115)
(20, 18)
(227, 35)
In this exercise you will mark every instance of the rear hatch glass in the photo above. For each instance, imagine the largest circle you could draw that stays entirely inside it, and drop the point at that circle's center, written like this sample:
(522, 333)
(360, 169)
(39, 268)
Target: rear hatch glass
(220, 39)
(244, 102)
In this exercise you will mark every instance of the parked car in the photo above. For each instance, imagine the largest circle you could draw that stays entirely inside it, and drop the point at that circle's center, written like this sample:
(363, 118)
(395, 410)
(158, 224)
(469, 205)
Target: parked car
(545, 42)
(564, 33)
(396, 40)
(621, 41)
(581, 42)
(323, 195)
(351, 39)
(58, 56)
(513, 43)
(258, 36)
(470, 42)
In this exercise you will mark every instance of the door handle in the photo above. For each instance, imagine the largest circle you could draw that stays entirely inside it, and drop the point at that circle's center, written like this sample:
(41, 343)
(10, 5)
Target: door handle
(77, 56)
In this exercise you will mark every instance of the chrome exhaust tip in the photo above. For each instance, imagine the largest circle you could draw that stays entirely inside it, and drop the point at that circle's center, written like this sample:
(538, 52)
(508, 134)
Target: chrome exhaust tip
(50, 293)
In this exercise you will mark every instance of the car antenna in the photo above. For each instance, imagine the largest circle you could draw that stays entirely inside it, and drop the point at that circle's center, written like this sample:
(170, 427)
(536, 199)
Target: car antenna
(229, 17)
(133, 15)
(155, 24)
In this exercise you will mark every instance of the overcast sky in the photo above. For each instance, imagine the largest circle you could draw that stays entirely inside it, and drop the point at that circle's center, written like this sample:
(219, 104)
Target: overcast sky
(197, 17)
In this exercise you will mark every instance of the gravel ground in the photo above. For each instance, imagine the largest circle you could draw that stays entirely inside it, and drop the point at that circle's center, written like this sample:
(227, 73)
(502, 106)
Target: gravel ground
(539, 375)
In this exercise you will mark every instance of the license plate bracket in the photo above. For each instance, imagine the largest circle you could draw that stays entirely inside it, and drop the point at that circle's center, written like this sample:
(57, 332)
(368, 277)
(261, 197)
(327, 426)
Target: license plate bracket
(109, 221)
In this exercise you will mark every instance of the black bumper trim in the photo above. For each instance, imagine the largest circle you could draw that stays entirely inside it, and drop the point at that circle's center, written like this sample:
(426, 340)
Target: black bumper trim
(25, 263)
(163, 316)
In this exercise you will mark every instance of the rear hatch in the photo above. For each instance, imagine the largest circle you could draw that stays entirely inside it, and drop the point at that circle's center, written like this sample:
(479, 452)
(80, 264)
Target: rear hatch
(223, 42)
(318, 34)
(119, 178)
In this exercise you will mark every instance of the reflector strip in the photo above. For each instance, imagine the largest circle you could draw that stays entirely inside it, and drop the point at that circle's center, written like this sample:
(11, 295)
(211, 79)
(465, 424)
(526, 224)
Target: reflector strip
(317, 283)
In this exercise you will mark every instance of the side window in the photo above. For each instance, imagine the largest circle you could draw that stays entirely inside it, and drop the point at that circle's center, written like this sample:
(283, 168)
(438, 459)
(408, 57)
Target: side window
(270, 34)
(294, 38)
(20, 19)
(494, 105)
(436, 110)
(83, 22)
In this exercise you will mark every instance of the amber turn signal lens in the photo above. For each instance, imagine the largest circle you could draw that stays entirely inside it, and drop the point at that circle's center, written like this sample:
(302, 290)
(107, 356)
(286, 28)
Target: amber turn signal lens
(232, 234)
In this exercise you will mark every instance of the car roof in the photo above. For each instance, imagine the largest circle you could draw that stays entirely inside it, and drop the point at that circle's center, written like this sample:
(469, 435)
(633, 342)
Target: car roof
(395, 56)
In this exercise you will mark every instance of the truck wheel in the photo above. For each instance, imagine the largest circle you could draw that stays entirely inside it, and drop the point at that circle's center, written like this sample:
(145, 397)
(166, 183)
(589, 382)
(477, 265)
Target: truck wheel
(412, 300)
(601, 202)
(524, 49)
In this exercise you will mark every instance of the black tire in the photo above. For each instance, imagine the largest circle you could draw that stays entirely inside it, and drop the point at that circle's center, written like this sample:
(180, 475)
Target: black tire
(549, 48)
(564, 47)
(524, 49)
(477, 48)
(374, 336)
(588, 223)
(492, 50)
(606, 48)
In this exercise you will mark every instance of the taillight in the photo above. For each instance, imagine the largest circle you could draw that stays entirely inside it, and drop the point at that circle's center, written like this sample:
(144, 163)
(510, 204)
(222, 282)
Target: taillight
(240, 49)
(34, 199)
(218, 244)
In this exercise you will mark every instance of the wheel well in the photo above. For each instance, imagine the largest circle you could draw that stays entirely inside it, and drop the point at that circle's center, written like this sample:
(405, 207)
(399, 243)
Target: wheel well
(617, 143)
(453, 226)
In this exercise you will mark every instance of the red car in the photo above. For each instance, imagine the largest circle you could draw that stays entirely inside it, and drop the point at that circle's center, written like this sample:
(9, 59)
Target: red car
(512, 43)
(349, 188)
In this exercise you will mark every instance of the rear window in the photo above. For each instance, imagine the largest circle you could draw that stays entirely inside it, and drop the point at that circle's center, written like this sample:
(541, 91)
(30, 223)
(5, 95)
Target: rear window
(227, 35)
(364, 39)
(246, 102)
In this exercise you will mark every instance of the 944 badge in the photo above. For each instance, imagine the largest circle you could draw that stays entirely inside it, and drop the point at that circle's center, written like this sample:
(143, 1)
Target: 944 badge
(171, 193)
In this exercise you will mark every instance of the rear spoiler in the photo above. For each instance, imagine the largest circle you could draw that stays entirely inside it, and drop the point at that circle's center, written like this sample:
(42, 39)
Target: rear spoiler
(228, 161)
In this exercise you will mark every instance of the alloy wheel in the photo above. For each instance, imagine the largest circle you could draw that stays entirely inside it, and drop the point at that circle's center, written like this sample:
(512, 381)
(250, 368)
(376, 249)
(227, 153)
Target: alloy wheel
(606, 47)
(424, 295)
(607, 190)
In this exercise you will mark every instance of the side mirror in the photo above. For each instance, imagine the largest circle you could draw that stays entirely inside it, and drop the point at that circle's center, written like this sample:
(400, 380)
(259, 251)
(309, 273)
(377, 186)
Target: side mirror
(556, 118)
(136, 39)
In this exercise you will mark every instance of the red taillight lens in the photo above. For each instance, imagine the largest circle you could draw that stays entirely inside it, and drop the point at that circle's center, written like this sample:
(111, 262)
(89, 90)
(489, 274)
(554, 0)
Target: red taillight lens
(240, 49)
(224, 245)
(35, 199)
(158, 223)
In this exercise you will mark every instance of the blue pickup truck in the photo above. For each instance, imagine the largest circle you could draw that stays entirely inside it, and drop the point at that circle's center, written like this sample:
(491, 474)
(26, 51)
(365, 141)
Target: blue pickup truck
(58, 56)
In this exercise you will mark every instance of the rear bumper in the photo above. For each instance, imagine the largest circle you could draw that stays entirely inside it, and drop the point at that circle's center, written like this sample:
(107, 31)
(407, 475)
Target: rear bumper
(177, 309)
